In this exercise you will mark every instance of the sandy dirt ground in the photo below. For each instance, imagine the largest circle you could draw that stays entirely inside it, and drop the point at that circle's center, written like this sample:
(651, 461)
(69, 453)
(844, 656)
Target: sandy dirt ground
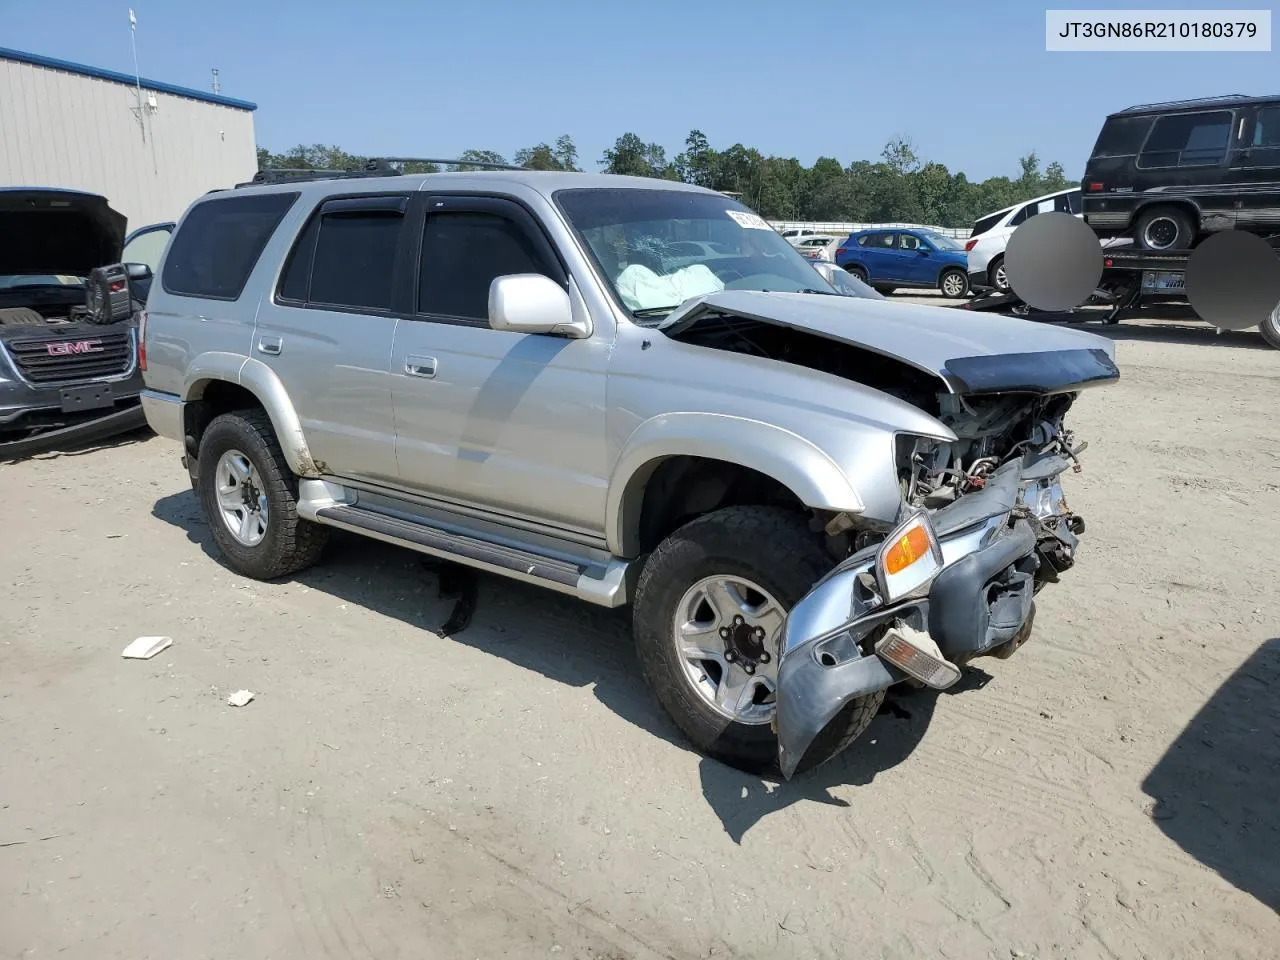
(513, 791)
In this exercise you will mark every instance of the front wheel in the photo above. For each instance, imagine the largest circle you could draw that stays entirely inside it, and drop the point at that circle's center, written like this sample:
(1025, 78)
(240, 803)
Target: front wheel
(954, 284)
(707, 619)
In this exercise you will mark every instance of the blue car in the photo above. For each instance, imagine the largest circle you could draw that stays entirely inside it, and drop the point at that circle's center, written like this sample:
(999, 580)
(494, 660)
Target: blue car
(891, 258)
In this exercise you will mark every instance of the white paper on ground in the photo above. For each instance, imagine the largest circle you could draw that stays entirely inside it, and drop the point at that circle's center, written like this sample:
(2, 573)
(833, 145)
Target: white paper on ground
(239, 698)
(144, 648)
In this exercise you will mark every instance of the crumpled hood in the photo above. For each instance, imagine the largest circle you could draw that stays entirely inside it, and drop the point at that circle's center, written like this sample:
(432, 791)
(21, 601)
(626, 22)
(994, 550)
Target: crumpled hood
(46, 231)
(971, 352)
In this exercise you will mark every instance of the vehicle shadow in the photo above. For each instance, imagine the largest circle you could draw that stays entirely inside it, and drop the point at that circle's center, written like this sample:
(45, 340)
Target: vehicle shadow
(1179, 327)
(1215, 788)
(73, 448)
(741, 799)
(580, 645)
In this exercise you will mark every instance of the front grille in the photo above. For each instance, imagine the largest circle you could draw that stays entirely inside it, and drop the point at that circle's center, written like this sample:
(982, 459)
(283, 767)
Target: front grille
(55, 359)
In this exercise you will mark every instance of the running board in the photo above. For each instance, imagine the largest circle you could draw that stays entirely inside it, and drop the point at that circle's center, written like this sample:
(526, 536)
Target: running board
(601, 584)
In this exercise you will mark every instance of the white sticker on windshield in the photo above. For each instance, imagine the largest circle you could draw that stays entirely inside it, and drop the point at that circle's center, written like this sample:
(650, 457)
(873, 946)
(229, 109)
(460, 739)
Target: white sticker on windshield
(750, 221)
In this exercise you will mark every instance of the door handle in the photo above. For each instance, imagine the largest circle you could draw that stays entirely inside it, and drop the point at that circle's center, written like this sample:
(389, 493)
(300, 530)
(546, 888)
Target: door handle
(420, 366)
(271, 346)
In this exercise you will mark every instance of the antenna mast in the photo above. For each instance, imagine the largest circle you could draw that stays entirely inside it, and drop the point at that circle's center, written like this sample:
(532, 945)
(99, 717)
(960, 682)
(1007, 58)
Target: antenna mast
(137, 79)
(217, 87)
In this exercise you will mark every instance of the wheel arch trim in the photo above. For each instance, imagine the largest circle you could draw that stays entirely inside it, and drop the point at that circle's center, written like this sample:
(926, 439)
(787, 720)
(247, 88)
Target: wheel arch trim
(791, 460)
(261, 381)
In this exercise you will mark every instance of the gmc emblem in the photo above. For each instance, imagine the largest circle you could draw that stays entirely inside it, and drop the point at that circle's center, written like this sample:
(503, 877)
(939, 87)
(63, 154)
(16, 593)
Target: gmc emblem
(66, 348)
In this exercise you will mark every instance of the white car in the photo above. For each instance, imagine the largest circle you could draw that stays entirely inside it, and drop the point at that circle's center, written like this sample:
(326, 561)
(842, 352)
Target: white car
(819, 247)
(795, 235)
(991, 234)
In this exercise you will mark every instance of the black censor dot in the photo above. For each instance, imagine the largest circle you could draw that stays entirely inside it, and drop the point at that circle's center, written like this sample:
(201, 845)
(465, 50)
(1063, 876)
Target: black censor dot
(1053, 261)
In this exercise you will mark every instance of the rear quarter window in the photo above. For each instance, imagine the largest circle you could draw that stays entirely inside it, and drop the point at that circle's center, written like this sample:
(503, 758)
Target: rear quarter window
(1121, 137)
(218, 243)
(988, 223)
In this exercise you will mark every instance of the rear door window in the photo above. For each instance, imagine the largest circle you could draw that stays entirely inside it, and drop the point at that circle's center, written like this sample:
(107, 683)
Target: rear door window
(219, 242)
(1188, 140)
(345, 259)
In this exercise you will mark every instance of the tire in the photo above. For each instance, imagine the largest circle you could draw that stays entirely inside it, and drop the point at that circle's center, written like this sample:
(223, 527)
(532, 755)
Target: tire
(996, 273)
(858, 271)
(1270, 328)
(885, 291)
(20, 317)
(285, 544)
(771, 548)
(954, 283)
(1154, 224)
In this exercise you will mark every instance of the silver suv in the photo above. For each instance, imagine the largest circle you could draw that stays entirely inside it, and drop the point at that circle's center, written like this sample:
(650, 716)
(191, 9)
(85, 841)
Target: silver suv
(630, 391)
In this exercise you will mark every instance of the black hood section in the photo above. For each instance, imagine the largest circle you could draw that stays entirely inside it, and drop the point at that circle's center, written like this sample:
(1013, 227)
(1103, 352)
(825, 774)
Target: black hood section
(57, 232)
(1048, 372)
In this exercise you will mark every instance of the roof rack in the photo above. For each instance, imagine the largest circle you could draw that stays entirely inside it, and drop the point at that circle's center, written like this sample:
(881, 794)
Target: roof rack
(1225, 98)
(374, 167)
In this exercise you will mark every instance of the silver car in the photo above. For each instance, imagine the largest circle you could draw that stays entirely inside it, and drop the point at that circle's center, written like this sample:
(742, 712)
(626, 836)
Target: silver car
(633, 392)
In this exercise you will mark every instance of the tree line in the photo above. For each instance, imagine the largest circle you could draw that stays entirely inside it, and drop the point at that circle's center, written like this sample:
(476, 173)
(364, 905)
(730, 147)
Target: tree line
(900, 186)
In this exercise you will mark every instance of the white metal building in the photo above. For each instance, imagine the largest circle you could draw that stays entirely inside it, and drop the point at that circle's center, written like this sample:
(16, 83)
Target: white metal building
(67, 125)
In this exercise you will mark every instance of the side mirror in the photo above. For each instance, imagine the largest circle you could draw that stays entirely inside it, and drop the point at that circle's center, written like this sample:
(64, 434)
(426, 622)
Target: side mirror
(138, 271)
(532, 303)
(923, 251)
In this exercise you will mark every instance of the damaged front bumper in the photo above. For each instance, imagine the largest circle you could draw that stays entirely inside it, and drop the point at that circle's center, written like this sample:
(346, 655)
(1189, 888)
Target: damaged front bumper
(851, 636)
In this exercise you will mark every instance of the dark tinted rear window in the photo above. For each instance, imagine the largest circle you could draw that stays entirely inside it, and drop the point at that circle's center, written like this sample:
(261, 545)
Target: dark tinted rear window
(987, 223)
(355, 260)
(215, 249)
(1188, 140)
(1122, 136)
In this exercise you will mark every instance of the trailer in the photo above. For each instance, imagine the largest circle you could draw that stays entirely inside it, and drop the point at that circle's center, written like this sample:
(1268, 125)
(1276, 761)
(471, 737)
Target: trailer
(1132, 280)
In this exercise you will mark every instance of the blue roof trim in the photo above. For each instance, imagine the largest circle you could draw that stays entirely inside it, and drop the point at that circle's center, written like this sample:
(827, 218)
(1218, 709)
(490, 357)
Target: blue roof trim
(40, 61)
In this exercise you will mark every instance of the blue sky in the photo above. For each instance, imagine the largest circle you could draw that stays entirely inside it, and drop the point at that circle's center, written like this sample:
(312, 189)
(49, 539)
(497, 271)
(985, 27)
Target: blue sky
(969, 82)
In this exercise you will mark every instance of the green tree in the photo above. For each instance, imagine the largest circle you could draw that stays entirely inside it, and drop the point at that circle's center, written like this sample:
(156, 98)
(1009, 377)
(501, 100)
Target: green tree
(697, 164)
(630, 156)
(563, 156)
(478, 156)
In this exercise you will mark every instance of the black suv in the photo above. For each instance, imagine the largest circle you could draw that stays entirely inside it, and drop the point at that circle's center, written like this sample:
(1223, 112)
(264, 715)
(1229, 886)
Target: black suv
(1170, 173)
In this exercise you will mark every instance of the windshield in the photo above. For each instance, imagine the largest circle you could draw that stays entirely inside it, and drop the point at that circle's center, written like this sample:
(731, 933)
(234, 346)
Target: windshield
(658, 248)
(941, 242)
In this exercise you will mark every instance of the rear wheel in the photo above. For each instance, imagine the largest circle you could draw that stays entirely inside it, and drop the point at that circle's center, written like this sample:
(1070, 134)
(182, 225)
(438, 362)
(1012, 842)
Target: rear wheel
(1270, 328)
(858, 271)
(250, 499)
(707, 619)
(1163, 228)
(997, 275)
(953, 283)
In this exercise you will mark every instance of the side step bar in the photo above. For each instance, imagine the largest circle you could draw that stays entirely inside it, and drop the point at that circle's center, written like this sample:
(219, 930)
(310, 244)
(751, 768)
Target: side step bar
(601, 584)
